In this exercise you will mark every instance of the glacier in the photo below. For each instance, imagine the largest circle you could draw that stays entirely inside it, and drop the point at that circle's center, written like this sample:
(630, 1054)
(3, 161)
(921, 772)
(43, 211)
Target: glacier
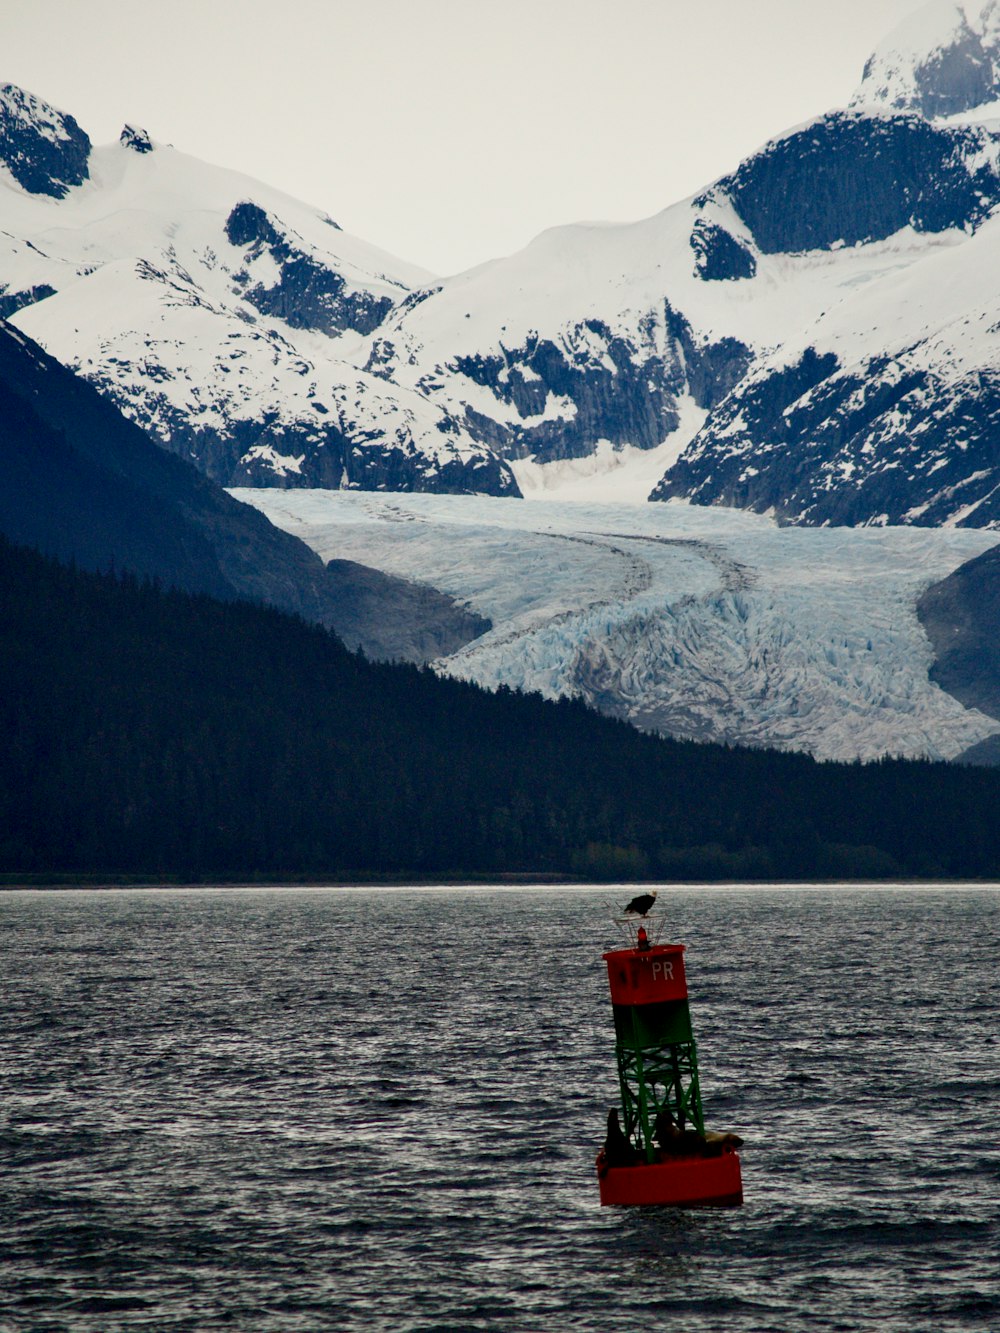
(704, 623)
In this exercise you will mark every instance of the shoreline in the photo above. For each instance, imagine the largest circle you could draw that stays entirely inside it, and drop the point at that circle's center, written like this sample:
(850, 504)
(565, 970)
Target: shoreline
(109, 883)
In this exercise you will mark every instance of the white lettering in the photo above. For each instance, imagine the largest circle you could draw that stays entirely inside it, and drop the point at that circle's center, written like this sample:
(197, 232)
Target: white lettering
(664, 968)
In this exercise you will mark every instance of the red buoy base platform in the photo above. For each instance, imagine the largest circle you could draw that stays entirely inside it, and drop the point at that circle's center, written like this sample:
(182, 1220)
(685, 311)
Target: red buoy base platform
(684, 1182)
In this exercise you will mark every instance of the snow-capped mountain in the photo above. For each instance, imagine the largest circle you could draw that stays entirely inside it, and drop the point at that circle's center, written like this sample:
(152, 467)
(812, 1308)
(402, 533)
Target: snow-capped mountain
(884, 408)
(215, 312)
(597, 342)
(810, 336)
(936, 62)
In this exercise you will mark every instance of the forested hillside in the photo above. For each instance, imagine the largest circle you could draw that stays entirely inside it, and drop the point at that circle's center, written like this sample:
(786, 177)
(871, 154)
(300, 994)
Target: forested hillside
(159, 733)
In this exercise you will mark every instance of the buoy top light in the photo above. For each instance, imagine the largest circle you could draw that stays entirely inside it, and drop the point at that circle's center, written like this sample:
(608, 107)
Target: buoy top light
(639, 929)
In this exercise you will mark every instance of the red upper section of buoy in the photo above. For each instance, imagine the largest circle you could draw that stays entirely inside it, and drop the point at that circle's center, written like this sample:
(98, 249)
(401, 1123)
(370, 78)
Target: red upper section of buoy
(647, 976)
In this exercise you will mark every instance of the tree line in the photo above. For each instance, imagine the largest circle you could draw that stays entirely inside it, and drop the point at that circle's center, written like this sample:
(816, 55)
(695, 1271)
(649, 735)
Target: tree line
(148, 732)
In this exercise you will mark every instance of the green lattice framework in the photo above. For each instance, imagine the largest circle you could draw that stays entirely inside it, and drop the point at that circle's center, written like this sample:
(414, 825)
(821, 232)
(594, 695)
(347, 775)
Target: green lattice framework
(657, 1069)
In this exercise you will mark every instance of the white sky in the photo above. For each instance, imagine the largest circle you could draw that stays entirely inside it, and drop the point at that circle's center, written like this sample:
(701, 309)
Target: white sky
(451, 131)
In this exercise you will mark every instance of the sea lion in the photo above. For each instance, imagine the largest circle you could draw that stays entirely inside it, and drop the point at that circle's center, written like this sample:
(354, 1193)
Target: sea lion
(674, 1141)
(717, 1144)
(617, 1150)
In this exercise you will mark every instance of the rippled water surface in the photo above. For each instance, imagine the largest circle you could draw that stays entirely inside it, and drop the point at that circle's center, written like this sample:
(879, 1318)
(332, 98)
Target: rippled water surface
(375, 1110)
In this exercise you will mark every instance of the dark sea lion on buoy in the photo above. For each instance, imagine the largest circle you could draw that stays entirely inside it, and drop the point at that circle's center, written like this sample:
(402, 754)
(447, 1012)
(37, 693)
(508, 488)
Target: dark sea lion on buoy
(717, 1144)
(617, 1150)
(674, 1141)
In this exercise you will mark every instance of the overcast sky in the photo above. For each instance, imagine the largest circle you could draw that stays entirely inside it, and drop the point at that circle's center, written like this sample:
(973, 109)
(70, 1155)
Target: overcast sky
(451, 131)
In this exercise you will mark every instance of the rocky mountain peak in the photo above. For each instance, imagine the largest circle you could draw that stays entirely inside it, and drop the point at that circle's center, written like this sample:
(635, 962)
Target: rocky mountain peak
(135, 138)
(44, 150)
(936, 62)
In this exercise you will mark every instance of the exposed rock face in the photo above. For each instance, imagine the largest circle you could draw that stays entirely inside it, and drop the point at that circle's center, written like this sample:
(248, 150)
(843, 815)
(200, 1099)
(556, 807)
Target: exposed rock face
(961, 617)
(591, 384)
(719, 256)
(934, 63)
(237, 398)
(607, 392)
(750, 454)
(315, 447)
(595, 341)
(711, 369)
(12, 302)
(850, 178)
(135, 138)
(45, 151)
(300, 290)
(813, 443)
(251, 453)
(955, 79)
(847, 181)
(888, 409)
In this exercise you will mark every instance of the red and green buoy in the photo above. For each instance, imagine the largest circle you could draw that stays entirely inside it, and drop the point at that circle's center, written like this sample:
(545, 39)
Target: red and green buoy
(660, 1153)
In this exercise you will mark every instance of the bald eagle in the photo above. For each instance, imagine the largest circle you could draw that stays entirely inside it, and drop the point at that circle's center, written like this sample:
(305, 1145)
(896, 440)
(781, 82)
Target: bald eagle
(641, 905)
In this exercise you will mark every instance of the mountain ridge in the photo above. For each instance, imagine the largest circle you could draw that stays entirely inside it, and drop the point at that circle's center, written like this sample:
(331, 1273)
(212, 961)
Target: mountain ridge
(270, 348)
(217, 313)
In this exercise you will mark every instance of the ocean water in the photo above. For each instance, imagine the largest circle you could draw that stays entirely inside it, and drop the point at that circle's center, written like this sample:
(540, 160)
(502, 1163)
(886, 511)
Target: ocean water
(379, 1109)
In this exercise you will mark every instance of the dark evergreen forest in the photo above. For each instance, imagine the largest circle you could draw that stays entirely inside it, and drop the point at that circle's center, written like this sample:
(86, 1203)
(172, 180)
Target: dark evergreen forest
(158, 733)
